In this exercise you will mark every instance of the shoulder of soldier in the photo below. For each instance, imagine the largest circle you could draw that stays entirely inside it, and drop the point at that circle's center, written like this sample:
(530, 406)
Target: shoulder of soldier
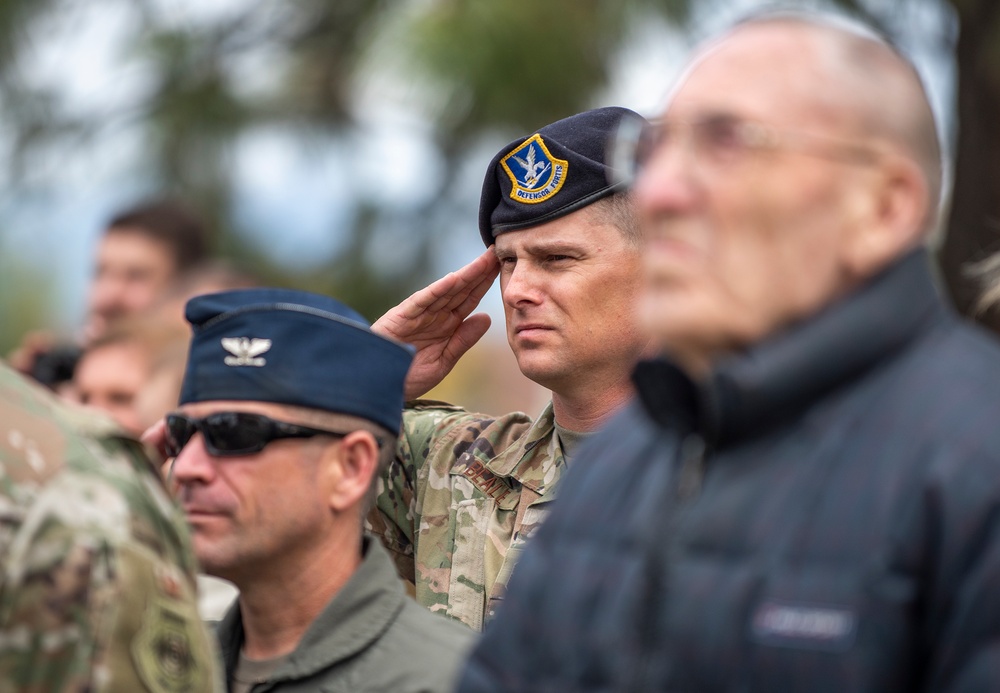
(434, 425)
(91, 533)
(431, 414)
(44, 442)
(442, 432)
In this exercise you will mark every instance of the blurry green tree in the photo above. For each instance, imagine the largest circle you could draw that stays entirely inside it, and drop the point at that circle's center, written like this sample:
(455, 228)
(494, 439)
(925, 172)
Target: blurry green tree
(485, 69)
(25, 295)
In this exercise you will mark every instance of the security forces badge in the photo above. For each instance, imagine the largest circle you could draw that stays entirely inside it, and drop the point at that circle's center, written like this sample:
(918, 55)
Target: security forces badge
(163, 650)
(168, 647)
(526, 185)
(536, 175)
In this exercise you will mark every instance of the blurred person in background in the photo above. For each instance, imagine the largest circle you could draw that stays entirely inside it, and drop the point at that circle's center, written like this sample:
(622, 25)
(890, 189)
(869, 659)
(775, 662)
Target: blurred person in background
(162, 386)
(142, 250)
(117, 366)
(289, 407)
(208, 277)
(466, 491)
(97, 590)
(804, 494)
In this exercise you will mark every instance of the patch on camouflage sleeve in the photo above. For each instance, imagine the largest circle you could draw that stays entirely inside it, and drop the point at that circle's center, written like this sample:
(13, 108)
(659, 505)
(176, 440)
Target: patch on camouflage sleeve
(162, 650)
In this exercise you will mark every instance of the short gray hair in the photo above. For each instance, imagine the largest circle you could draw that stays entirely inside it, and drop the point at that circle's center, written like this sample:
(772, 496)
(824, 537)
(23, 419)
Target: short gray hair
(618, 210)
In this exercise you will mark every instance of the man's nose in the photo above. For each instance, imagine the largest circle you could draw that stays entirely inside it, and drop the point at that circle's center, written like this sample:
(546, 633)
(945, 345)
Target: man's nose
(670, 179)
(107, 295)
(193, 464)
(521, 286)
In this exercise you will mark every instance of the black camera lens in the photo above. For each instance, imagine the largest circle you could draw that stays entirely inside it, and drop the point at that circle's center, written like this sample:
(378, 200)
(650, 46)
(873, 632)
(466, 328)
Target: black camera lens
(56, 365)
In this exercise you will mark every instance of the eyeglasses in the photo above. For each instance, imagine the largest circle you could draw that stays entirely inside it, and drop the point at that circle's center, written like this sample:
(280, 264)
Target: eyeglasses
(232, 433)
(720, 141)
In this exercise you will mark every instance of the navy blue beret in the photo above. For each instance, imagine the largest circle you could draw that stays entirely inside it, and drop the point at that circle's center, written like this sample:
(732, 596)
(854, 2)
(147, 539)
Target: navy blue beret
(558, 170)
(293, 347)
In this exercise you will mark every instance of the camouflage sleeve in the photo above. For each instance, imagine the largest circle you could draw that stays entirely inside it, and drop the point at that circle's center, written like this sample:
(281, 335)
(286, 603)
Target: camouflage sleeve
(94, 596)
(396, 516)
(97, 587)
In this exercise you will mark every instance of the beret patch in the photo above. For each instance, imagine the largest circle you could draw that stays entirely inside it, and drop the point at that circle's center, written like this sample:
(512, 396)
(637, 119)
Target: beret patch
(554, 172)
(540, 175)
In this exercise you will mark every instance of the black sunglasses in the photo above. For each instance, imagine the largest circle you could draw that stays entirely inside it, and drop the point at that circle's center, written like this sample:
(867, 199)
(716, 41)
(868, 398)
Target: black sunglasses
(232, 433)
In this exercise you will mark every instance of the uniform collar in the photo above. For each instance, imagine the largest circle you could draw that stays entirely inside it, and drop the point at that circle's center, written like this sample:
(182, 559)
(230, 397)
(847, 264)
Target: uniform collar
(535, 459)
(353, 620)
(748, 393)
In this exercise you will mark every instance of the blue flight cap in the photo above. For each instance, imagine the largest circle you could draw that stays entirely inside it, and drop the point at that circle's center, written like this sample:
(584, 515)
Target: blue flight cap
(293, 347)
(558, 170)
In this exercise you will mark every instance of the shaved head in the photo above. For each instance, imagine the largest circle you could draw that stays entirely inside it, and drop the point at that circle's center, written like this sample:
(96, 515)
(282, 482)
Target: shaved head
(873, 87)
(797, 157)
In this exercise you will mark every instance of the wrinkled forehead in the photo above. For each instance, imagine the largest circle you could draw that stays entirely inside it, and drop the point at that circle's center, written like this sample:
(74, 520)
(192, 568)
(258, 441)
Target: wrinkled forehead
(780, 74)
(578, 228)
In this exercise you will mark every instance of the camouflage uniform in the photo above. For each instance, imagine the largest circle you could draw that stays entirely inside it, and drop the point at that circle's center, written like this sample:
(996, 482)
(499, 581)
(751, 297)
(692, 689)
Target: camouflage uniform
(461, 498)
(96, 583)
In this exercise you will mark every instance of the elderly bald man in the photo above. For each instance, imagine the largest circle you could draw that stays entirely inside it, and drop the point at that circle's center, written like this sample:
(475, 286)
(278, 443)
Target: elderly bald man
(805, 495)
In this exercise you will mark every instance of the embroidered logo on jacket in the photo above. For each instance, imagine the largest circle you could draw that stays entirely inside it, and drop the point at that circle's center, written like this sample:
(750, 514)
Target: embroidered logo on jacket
(534, 172)
(804, 626)
(245, 351)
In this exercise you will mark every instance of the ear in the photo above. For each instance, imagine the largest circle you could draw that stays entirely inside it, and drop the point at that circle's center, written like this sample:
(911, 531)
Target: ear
(891, 218)
(349, 468)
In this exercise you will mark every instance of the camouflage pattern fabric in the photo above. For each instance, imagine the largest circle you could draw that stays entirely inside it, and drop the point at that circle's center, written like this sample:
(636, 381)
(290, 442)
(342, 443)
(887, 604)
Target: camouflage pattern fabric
(458, 503)
(96, 571)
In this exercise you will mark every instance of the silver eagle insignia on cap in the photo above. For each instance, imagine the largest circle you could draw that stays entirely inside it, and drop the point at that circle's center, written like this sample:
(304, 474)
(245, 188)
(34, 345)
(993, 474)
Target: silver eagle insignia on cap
(245, 351)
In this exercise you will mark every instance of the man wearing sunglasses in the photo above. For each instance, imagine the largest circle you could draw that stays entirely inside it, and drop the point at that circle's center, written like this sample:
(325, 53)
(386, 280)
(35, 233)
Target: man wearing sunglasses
(289, 407)
(468, 490)
(804, 494)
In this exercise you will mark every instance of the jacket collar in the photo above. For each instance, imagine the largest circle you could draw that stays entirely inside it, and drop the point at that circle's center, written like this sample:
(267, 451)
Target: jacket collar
(353, 620)
(535, 459)
(751, 391)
